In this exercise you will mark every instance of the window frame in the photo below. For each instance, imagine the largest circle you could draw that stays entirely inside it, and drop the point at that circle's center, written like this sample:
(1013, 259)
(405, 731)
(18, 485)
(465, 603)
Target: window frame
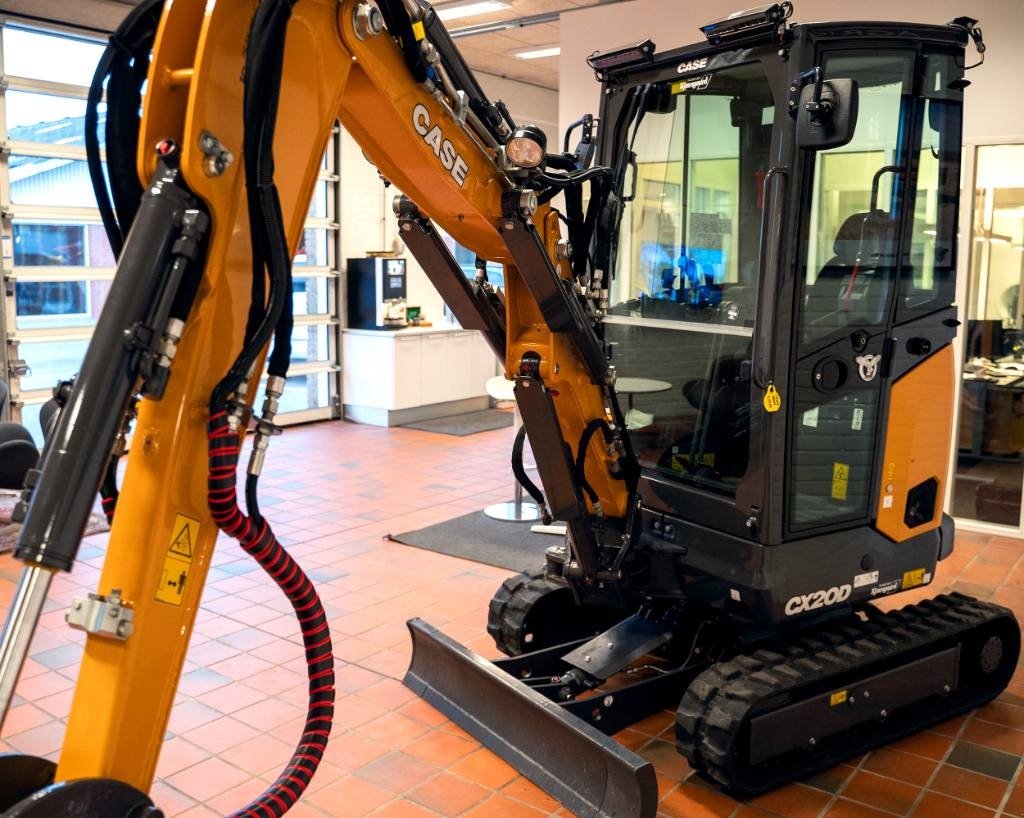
(12, 367)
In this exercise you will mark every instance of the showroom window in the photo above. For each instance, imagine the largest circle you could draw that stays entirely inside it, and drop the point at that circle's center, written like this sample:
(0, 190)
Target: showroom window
(57, 263)
(989, 471)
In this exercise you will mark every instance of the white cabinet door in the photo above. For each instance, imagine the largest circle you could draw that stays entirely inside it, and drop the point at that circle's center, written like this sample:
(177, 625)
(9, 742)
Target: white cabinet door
(462, 376)
(439, 366)
(483, 363)
(369, 369)
(408, 371)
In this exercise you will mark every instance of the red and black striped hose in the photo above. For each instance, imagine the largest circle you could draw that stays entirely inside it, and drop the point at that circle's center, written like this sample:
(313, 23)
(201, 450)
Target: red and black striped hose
(259, 542)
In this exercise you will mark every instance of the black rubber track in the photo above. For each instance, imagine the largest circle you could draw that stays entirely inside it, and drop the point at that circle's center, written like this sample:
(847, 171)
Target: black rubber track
(530, 612)
(712, 721)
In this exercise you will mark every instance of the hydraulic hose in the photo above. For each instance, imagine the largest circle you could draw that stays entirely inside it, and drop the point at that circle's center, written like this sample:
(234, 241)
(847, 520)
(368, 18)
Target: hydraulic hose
(122, 69)
(581, 455)
(263, 66)
(258, 540)
(519, 470)
(270, 257)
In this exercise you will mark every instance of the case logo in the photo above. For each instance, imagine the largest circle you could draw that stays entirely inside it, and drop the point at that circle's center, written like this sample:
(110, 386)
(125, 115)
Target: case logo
(443, 148)
(867, 366)
(692, 65)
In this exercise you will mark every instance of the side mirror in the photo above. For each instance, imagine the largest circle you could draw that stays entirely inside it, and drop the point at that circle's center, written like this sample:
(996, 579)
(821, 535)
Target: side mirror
(827, 114)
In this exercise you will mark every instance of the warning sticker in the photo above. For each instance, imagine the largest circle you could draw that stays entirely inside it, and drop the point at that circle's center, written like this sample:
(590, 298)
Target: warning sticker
(837, 698)
(178, 560)
(840, 480)
(911, 579)
(811, 418)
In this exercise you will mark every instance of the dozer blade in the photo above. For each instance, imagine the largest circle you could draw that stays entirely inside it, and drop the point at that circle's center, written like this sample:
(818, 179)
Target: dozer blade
(589, 772)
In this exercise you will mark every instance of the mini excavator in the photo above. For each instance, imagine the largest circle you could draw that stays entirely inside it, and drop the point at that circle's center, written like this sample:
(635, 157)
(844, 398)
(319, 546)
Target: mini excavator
(763, 223)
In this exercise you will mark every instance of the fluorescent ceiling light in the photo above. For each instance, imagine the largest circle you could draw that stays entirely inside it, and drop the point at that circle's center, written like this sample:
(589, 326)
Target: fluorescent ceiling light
(453, 11)
(537, 53)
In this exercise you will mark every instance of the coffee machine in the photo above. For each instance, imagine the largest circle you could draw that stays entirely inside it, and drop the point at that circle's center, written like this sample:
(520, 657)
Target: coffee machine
(376, 293)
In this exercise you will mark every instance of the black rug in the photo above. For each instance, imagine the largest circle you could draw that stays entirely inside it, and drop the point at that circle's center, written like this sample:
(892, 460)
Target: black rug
(477, 537)
(470, 423)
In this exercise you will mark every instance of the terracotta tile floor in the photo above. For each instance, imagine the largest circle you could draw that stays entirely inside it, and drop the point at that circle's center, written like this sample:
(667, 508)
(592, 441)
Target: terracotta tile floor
(242, 691)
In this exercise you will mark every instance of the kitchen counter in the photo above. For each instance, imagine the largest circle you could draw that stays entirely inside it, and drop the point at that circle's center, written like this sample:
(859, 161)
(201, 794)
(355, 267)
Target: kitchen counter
(405, 330)
(391, 377)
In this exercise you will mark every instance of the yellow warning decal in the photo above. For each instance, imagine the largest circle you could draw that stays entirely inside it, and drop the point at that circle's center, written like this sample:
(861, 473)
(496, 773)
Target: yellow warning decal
(911, 579)
(418, 31)
(178, 560)
(772, 399)
(839, 697)
(840, 480)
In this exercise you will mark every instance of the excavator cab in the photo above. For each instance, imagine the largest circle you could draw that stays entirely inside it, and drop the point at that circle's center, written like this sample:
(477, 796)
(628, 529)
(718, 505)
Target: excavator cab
(785, 260)
(777, 253)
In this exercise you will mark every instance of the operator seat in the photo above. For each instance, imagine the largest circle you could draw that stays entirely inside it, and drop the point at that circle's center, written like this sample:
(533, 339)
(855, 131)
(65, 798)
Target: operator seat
(720, 439)
(853, 287)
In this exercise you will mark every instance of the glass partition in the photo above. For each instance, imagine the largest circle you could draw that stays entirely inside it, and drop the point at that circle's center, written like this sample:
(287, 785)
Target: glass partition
(990, 448)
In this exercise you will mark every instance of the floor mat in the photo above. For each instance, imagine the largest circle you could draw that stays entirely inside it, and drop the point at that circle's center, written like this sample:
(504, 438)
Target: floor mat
(9, 531)
(470, 423)
(477, 537)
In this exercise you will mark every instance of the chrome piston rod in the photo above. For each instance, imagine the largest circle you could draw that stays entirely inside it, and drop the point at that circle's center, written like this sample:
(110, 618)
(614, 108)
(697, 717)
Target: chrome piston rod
(19, 628)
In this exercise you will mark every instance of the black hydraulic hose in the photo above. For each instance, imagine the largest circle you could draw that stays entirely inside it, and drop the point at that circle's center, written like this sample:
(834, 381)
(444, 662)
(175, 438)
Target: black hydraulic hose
(109, 493)
(263, 71)
(122, 67)
(399, 26)
(263, 67)
(519, 470)
(252, 500)
(575, 178)
(258, 540)
(581, 453)
(92, 153)
(126, 57)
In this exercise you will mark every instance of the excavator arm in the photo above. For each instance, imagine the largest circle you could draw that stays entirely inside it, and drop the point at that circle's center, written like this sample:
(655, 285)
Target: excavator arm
(240, 102)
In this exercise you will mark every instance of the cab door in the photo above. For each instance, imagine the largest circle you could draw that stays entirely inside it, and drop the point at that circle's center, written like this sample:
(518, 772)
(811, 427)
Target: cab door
(874, 290)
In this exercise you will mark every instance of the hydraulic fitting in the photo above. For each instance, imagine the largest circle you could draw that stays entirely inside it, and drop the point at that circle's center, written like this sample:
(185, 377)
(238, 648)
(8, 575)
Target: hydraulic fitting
(166, 349)
(265, 427)
(238, 409)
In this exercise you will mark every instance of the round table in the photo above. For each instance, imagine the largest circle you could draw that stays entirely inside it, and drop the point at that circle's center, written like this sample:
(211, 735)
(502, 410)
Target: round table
(516, 510)
(639, 386)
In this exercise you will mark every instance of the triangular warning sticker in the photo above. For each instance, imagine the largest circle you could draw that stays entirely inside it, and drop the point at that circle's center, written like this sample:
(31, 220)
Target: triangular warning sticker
(182, 543)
